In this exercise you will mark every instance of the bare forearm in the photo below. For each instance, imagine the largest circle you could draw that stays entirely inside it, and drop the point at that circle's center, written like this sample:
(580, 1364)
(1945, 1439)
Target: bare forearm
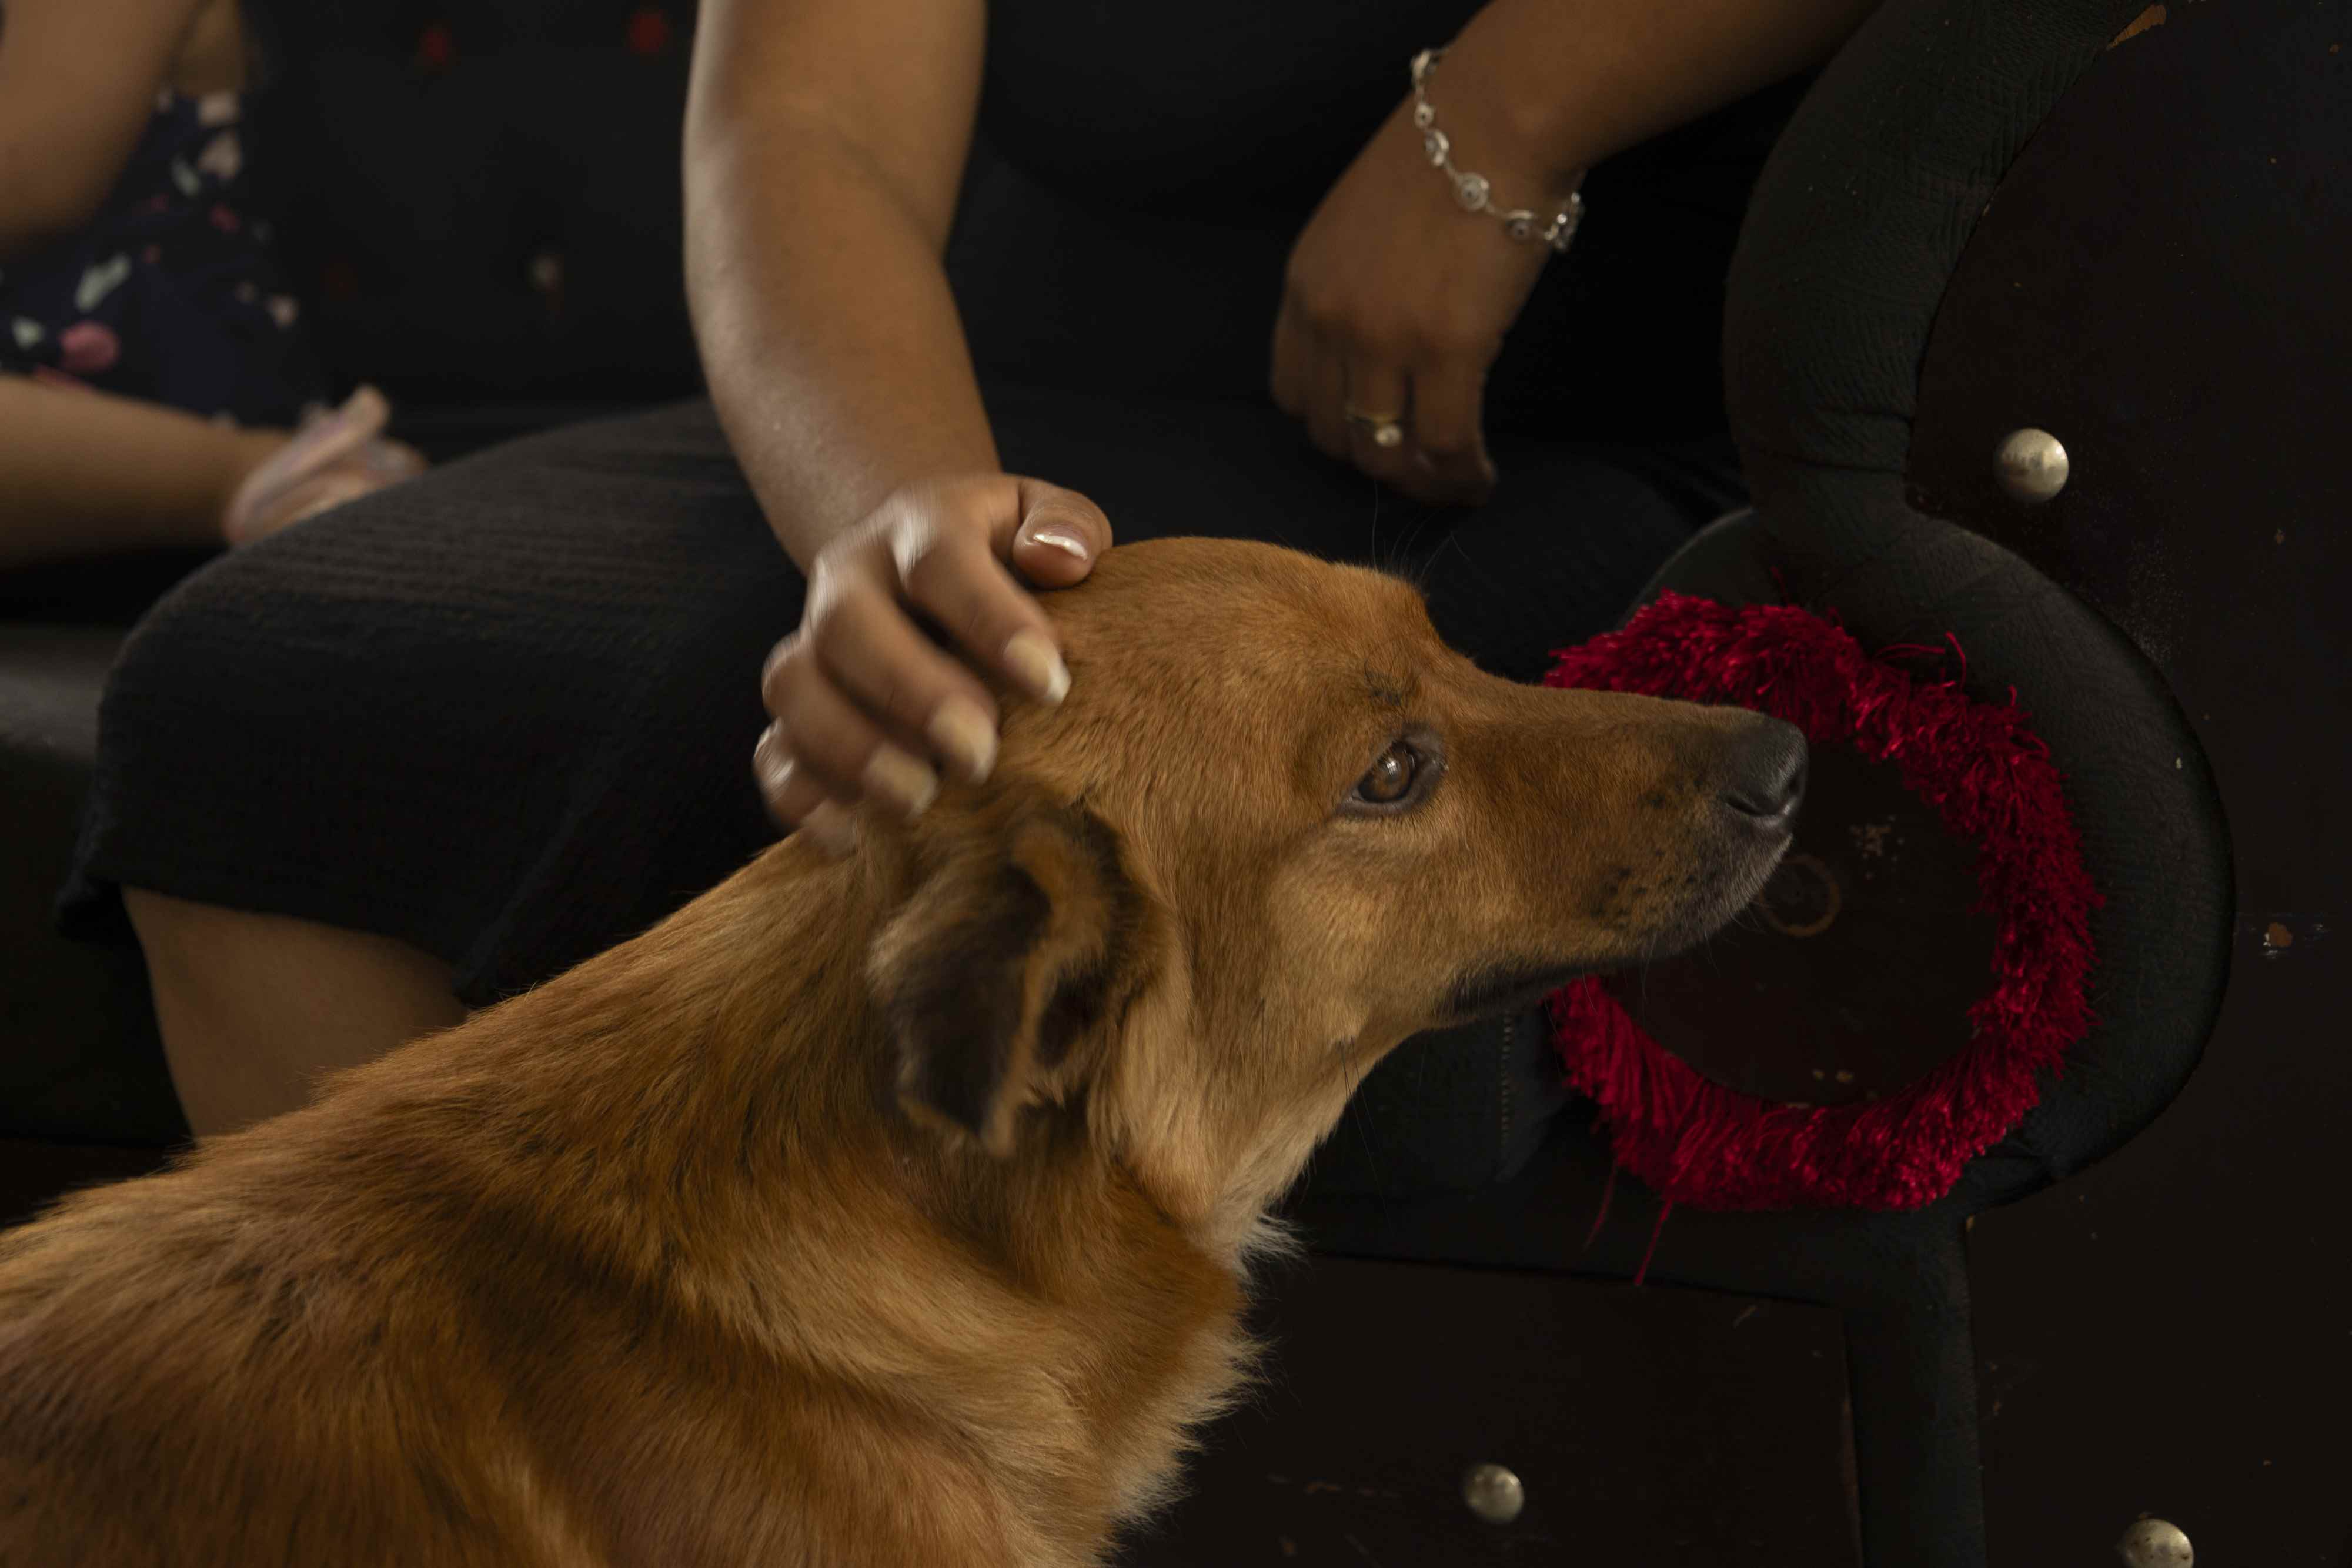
(77, 81)
(835, 354)
(1574, 81)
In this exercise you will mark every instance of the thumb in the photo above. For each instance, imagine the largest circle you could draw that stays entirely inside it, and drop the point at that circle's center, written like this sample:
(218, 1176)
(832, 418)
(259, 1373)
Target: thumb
(1062, 534)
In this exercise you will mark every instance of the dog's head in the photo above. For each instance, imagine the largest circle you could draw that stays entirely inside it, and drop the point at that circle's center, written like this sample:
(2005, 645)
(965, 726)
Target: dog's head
(1276, 828)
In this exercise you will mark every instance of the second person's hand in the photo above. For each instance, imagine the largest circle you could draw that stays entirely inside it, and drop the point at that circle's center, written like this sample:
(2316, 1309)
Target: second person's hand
(1395, 301)
(865, 705)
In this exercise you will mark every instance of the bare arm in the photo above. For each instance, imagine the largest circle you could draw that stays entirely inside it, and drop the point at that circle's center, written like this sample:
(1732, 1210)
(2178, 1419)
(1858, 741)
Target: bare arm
(78, 82)
(824, 147)
(825, 144)
(1396, 301)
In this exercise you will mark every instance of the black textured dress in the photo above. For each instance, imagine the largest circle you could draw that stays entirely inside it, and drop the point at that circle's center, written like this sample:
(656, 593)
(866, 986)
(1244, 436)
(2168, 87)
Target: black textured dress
(505, 713)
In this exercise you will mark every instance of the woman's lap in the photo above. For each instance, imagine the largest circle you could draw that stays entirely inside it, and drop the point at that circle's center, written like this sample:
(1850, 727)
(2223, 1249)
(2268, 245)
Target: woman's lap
(505, 713)
(483, 712)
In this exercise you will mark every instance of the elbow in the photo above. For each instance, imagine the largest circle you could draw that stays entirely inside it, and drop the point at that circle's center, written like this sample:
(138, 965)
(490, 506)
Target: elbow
(39, 206)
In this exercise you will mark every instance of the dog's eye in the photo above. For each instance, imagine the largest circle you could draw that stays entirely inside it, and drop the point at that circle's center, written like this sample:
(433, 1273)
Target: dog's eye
(1391, 778)
(1403, 778)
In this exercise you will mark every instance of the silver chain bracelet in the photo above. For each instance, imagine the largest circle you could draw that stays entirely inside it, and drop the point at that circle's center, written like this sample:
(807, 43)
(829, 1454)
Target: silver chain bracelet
(1472, 190)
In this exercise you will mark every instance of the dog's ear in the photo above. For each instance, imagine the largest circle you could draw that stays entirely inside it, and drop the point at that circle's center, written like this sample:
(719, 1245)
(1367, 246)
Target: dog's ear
(1006, 956)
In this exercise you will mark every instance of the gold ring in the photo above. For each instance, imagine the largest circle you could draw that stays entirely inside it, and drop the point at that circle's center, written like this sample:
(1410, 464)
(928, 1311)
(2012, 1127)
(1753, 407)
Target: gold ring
(1385, 429)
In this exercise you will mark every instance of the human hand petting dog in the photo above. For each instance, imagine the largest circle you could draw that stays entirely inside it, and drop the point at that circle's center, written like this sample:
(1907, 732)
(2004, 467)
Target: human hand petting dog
(1396, 300)
(868, 705)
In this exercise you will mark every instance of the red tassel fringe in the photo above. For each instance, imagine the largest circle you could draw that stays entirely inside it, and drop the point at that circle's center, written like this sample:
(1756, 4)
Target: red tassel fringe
(1991, 781)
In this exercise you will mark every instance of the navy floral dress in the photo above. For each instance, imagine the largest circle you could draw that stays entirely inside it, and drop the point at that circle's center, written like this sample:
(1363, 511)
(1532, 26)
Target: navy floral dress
(170, 294)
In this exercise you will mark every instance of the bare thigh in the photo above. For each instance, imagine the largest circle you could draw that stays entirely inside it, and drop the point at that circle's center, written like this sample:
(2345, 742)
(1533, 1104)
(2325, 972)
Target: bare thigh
(254, 1008)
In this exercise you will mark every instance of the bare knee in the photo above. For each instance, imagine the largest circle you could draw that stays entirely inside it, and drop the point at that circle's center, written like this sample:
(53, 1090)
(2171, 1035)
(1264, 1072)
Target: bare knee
(254, 1008)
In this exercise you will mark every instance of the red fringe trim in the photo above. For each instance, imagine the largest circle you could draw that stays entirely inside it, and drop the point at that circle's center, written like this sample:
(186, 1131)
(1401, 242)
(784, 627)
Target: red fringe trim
(1991, 781)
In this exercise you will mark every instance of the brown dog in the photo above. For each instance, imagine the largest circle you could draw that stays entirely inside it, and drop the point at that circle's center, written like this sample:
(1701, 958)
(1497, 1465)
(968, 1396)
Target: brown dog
(649, 1266)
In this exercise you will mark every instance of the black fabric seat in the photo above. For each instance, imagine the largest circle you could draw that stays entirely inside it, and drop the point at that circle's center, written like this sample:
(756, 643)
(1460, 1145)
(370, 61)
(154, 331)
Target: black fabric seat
(1926, 268)
(79, 1060)
(78, 1054)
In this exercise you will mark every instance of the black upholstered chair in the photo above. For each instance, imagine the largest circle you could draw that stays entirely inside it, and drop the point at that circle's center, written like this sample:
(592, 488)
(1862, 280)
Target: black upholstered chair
(2089, 225)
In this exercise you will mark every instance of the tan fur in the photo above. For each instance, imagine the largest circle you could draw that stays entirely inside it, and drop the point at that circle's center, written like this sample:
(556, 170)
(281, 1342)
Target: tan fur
(892, 1211)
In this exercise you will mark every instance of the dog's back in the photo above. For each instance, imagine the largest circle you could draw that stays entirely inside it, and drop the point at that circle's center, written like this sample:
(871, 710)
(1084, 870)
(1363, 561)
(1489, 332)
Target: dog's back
(258, 1361)
(609, 1275)
(220, 1366)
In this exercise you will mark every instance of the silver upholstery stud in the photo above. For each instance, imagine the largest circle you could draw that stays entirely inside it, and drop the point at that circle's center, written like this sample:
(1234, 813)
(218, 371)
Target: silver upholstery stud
(2154, 1544)
(1494, 1493)
(2030, 465)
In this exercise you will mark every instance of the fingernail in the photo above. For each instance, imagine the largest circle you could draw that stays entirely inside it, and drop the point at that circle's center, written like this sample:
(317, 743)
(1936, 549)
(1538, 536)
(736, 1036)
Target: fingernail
(1062, 541)
(891, 772)
(769, 762)
(959, 728)
(831, 827)
(1036, 662)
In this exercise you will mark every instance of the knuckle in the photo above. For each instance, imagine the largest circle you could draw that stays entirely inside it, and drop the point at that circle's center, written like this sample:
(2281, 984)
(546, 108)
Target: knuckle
(1447, 338)
(1399, 343)
(1450, 335)
(923, 558)
(832, 755)
(980, 588)
(814, 723)
(921, 551)
(978, 498)
(979, 635)
(1324, 314)
(797, 724)
(776, 669)
(965, 616)
(919, 574)
(827, 762)
(898, 694)
(789, 692)
(942, 567)
(823, 624)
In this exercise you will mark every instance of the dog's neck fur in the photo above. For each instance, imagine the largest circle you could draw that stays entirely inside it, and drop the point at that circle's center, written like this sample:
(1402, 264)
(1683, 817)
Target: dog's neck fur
(768, 1090)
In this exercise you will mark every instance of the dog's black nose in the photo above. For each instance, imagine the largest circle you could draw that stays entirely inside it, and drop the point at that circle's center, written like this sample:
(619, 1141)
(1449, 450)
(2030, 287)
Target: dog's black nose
(1766, 775)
